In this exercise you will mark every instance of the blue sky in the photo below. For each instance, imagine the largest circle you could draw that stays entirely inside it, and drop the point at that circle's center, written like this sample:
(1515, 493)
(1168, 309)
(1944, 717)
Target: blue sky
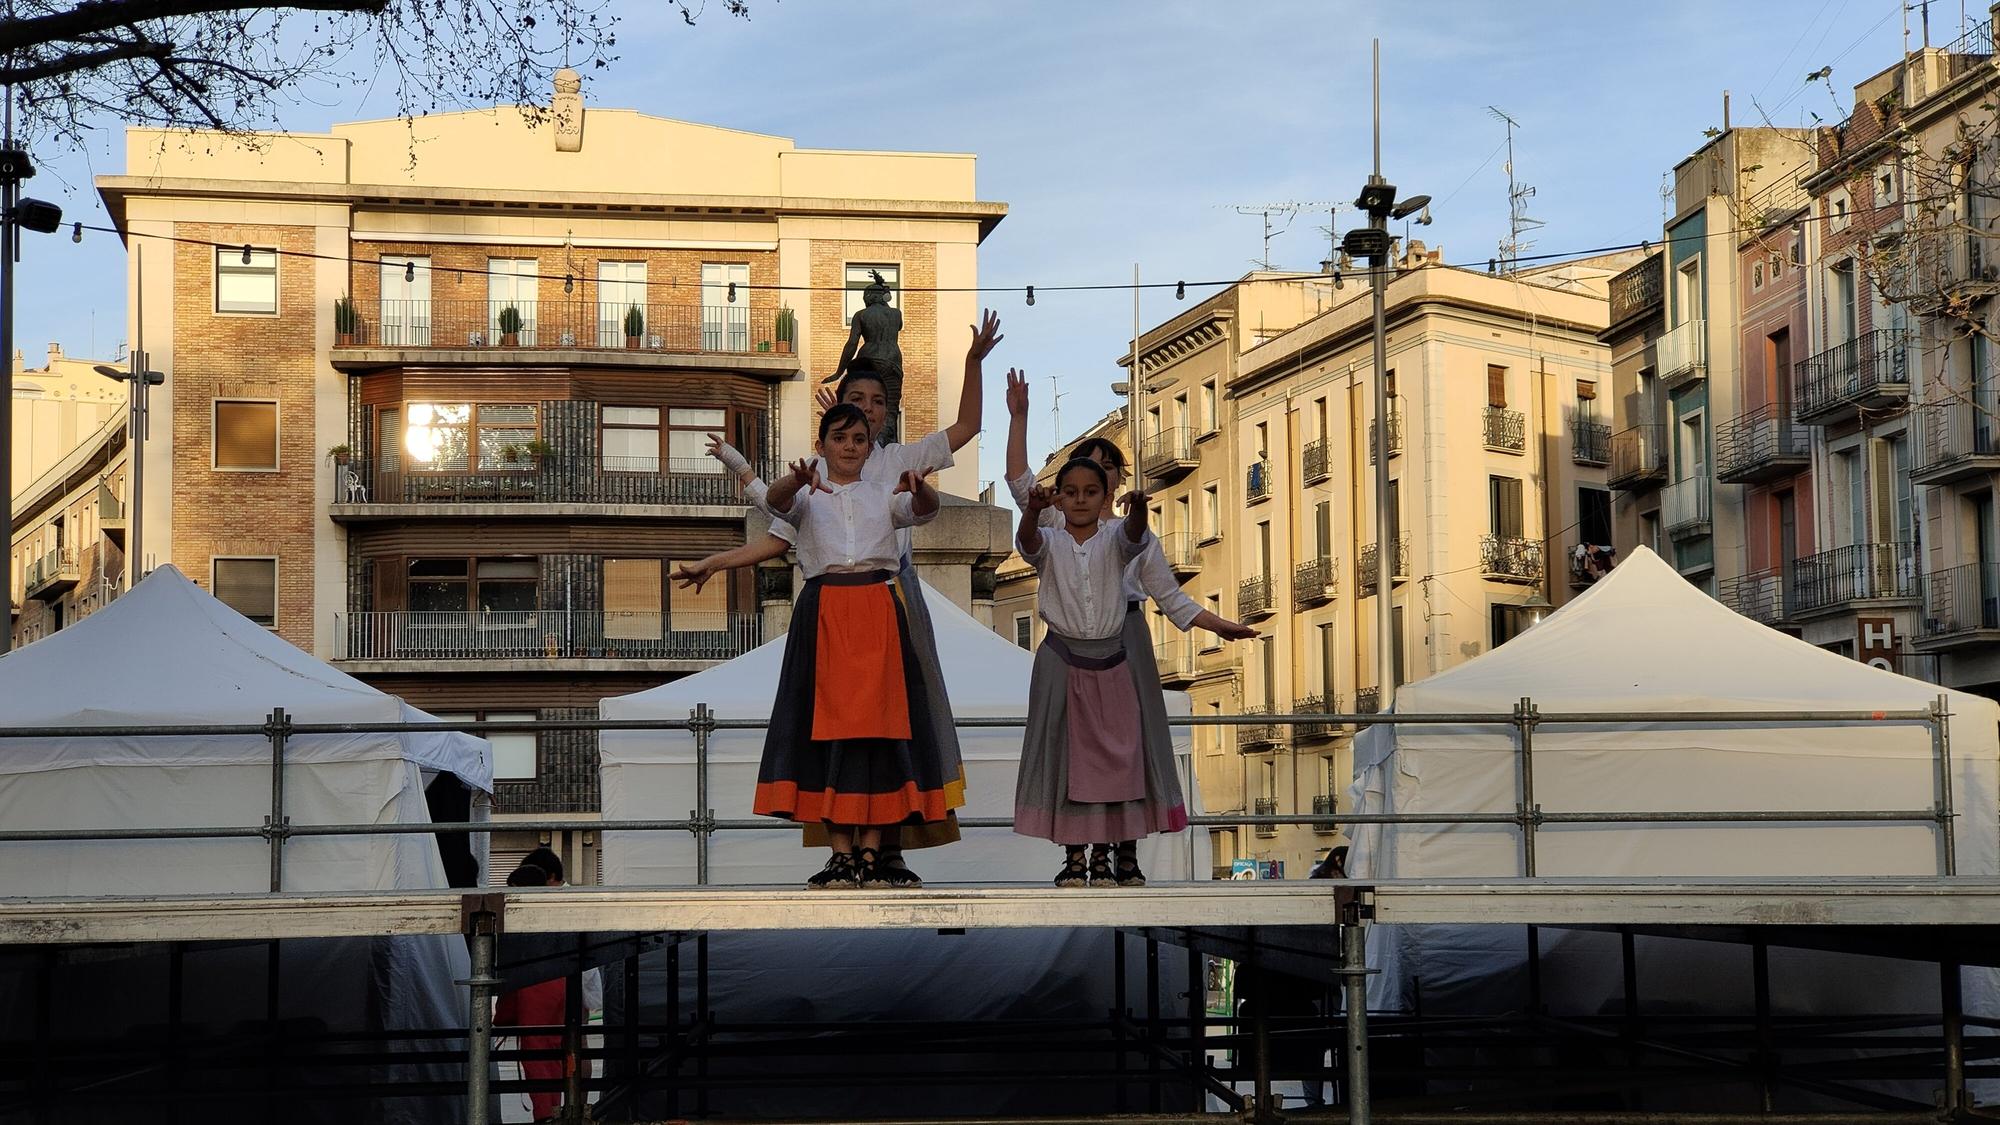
(1123, 131)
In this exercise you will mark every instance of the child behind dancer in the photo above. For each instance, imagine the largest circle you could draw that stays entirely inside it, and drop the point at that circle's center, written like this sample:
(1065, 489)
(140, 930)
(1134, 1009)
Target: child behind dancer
(849, 740)
(1090, 754)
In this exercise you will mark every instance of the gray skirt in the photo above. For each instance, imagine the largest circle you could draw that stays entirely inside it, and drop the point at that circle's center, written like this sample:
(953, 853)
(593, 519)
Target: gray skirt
(1042, 807)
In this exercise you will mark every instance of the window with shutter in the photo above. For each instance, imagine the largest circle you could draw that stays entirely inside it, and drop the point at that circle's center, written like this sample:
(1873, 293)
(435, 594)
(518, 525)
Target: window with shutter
(703, 611)
(1323, 528)
(246, 436)
(1505, 506)
(1496, 385)
(248, 586)
(389, 440)
(632, 599)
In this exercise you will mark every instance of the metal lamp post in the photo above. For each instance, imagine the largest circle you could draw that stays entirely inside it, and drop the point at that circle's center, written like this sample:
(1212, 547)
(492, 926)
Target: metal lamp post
(142, 379)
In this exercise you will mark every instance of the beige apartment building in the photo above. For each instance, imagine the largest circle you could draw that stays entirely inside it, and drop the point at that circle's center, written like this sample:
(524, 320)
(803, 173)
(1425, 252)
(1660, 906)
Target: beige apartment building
(57, 407)
(1259, 459)
(436, 401)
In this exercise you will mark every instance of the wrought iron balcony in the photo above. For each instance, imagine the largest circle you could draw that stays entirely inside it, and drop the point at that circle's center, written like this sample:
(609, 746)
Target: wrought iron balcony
(1395, 428)
(1267, 806)
(1169, 454)
(1506, 558)
(1182, 556)
(1759, 596)
(1961, 606)
(1638, 458)
(1638, 289)
(1257, 482)
(1870, 372)
(1864, 572)
(111, 515)
(1956, 441)
(545, 634)
(1774, 203)
(1506, 430)
(1365, 565)
(1684, 507)
(1590, 442)
(537, 325)
(1368, 701)
(1683, 353)
(54, 574)
(1253, 738)
(1763, 445)
(555, 480)
(1316, 705)
(1314, 582)
(1255, 598)
(1175, 658)
(1324, 805)
(1313, 462)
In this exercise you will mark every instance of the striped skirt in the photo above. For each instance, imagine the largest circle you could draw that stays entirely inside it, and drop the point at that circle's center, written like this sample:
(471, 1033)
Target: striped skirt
(1097, 760)
(850, 741)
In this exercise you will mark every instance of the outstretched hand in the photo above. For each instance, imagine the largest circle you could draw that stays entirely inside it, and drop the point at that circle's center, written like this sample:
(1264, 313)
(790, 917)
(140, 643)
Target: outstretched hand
(805, 473)
(1233, 631)
(1133, 501)
(1017, 393)
(985, 336)
(826, 399)
(911, 482)
(1040, 500)
(694, 575)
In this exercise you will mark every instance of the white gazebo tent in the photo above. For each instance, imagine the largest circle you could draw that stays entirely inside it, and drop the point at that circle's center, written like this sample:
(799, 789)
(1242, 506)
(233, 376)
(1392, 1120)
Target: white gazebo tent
(1644, 640)
(854, 976)
(169, 654)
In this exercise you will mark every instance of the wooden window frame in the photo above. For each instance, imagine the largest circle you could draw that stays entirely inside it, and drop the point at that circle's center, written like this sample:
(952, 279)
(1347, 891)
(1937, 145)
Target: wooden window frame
(849, 285)
(472, 464)
(668, 429)
(215, 429)
(659, 428)
(472, 578)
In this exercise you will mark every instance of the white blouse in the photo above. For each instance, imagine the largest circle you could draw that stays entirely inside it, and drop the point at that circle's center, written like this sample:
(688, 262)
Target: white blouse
(851, 529)
(1082, 588)
(887, 463)
(1147, 576)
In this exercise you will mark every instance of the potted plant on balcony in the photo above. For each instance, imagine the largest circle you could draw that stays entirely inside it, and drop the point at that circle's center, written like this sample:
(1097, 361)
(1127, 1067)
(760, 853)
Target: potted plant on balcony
(536, 452)
(635, 327)
(787, 330)
(346, 326)
(510, 327)
(510, 455)
(340, 454)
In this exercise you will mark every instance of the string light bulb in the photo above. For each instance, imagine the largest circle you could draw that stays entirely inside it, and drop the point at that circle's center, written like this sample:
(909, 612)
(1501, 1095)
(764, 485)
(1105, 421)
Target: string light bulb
(1180, 290)
(1031, 295)
(732, 292)
(246, 253)
(569, 283)
(76, 232)
(409, 271)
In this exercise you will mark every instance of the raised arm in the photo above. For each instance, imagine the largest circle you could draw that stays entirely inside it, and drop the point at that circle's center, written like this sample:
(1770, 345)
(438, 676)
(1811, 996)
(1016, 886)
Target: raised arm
(1029, 540)
(697, 574)
(778, 501)
(1017, 424)
(984, 338)
(923, 502)
(847, 353)
(1136, 515)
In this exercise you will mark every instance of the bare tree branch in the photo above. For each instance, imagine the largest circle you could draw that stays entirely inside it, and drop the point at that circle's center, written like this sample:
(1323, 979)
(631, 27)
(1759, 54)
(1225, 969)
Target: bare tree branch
(105, 15)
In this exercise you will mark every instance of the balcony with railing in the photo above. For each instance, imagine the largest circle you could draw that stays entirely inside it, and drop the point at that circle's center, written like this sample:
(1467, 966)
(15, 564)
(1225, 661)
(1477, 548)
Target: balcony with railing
(1169, 454)
(111, 515)
(1368, 701)
(1506, 430)
(1182, 553)
(1638, 458)
(1324, 805)
(363, 485)
(1255, 738)
(1870, 372)
(544, 635)
(1956, 441)
(1759, 596)
(1313, 466)
(1266, 806)
(1961, 606)
(1175, 659)
(1316, 705)
(1590, 442)
(1255, 598)
(1864, 572)
(1507, 558)
(1395, 428)
(1684, 507)
(1764, 445)
(1637, 290)
(1315, 582)
(1683, 353)
(54, 574)
(1365, 566)
(1589, 562)
(1257, 482)
(524, 331)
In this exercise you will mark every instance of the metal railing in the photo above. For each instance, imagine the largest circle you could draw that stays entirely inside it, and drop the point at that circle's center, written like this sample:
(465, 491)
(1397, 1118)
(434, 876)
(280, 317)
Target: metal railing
(55, 565)
(1956, 437)
(1324, 805)
(1257, 482)
(1590, 442)
(1316, 705)
(1978, 41)
(1313, 462)
(555, 480)
(1315, 581)
(544, 634)
(1510, 558)
(1759, 596)
(1637, 289)
(1182, 552)
(1860, 572)
(1683, 353)
(1395, 429)
(570, 325)
(1774, 202)
(1365, 565)
(1367, 701)
(1167, 452)
(1763, 442)
(1961, 600)
(1684, 506)
(1254, 737)
(1255, 597)
(1869, 368)
(1506, 429)
(1638, 456)
(1266, 806)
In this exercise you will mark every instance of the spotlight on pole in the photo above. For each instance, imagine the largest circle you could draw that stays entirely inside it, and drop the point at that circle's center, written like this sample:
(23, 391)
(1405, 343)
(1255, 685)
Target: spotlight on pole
(39, 216)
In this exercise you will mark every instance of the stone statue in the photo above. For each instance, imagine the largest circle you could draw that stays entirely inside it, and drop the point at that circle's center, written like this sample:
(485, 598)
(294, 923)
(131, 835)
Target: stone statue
(871, 345)
(567, 111)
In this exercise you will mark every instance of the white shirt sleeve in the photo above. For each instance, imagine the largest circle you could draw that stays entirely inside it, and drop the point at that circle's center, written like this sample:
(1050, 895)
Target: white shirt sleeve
(1019, 487)
(783, 529)
(903, 511)
(801, 504)
(1039, 556)
(931, 454)
(1128, 550)
(1157, 580)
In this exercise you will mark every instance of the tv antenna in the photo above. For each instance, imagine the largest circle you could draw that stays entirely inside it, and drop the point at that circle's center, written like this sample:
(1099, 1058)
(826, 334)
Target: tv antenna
(1518, 194)
(1286, 212)
(1055, 405)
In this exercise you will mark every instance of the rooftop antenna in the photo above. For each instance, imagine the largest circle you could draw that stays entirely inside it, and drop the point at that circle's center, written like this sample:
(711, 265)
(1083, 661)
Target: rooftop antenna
(1055, 405)
(1288, 210)
(1518, 194)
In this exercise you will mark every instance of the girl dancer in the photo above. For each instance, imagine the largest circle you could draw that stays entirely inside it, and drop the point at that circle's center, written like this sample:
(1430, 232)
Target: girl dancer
(1145, 576)
(850, 743)
(1095, 765)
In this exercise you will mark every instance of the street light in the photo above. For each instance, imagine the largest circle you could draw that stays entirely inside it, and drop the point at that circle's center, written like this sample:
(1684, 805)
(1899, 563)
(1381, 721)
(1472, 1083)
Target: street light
(1534, 611)
(142, 379)
(15, 213)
